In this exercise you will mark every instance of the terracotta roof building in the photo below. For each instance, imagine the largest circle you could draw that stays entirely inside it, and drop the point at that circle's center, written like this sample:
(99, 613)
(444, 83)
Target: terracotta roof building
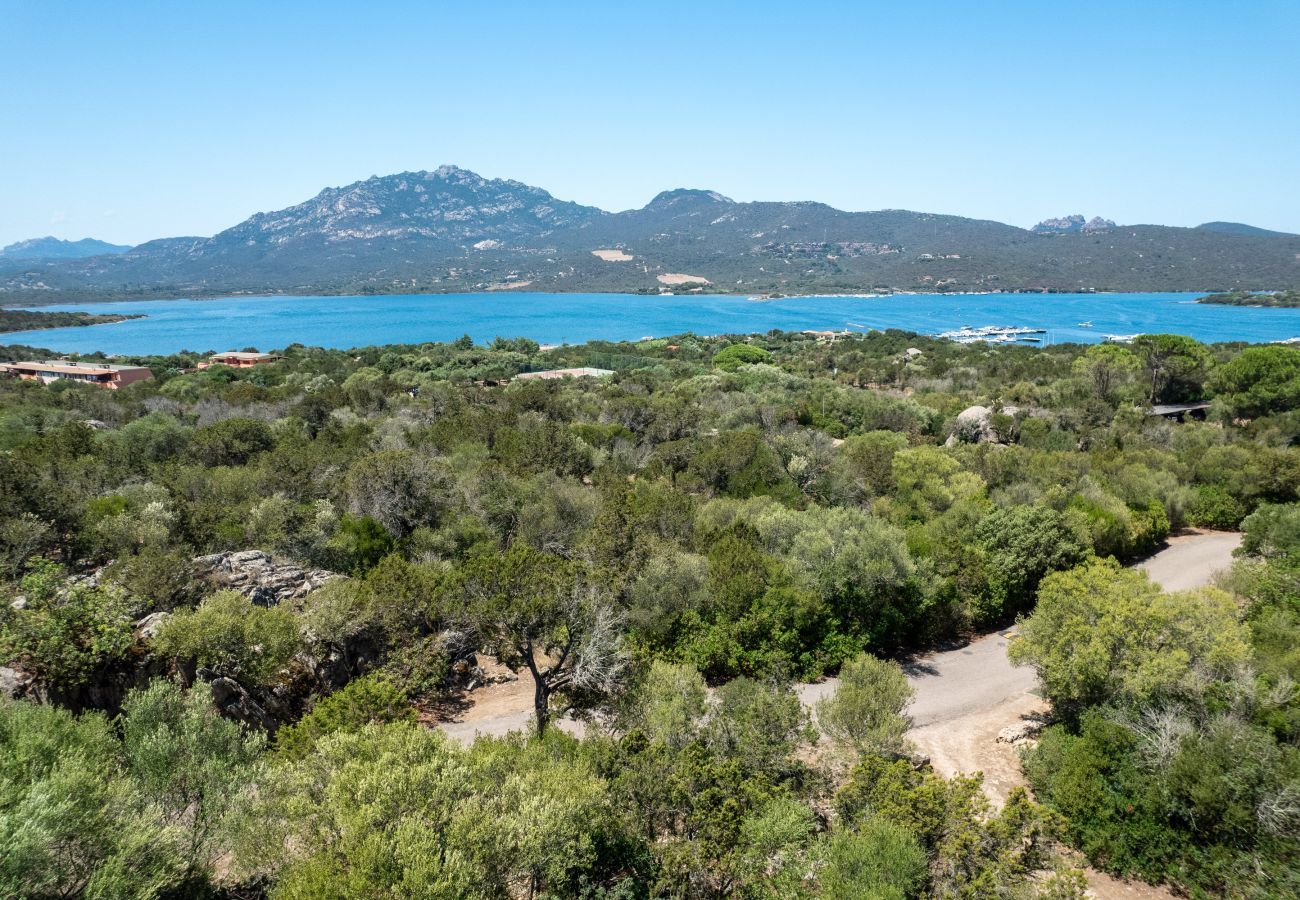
(239, 359)
(99, 374)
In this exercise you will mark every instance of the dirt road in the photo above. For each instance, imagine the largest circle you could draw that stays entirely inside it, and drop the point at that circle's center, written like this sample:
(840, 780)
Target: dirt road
(964, 697)
(1191, 560)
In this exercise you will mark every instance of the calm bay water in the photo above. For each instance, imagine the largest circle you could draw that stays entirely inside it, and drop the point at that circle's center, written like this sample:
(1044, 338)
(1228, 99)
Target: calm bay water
(343, 322)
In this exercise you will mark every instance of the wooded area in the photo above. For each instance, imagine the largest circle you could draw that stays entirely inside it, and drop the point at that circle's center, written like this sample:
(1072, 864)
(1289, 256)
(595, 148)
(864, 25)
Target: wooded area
(666, 550)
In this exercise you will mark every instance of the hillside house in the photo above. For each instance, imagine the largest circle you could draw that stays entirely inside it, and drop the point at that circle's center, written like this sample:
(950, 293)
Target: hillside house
(96, 373)
(239, 359)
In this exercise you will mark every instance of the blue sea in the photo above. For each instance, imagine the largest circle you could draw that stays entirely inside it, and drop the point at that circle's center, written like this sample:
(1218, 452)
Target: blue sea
(343, 322)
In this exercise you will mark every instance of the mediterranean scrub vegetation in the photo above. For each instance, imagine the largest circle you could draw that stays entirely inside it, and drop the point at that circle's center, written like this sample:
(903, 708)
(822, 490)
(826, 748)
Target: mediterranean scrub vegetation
(237, 604)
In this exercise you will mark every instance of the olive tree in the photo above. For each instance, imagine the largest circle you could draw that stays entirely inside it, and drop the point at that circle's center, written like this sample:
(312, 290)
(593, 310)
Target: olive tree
(537, 611)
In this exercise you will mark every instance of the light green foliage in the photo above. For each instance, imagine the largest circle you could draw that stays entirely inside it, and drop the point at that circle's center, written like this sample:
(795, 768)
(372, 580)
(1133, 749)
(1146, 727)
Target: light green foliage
(1273, 533)
(456, 823)
(311, 823)
(231, 635)
(140, 516)
(84, 813)
(761, 723)
(65, 633)
(973, 852)
(672, 704)
(875, 861)
(71, 821)
(336, 612)
(866, 712)
(1101, 632)
(188, 761)
(1117, 529)
(773, 842)
(928, 481)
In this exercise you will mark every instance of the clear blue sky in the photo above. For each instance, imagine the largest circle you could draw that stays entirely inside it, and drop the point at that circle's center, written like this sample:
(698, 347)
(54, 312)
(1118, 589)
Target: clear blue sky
(133, 120)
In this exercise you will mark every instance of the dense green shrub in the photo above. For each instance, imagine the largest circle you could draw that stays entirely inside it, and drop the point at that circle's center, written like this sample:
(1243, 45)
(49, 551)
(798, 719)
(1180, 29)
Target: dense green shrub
(230, 635)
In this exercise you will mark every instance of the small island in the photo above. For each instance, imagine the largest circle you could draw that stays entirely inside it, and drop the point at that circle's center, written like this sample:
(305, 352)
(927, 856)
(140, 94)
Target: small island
(1273, 299)
(27, 320)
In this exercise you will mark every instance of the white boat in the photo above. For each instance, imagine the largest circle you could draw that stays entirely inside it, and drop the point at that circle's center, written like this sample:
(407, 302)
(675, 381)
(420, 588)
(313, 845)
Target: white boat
(998, 334)
(1122, 338)
(1083, 324)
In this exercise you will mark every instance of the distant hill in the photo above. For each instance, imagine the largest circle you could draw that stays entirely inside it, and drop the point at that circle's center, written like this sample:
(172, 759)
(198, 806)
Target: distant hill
(54, 248)
(1240, 228)
(452, 230)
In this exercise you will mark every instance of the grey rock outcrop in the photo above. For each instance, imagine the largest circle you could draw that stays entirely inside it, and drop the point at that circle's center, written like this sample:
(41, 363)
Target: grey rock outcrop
(234, 702)
(148, 627)
(259, 577)
(13, 684)
(1097, 225)
(974, 425)
(1075, 224)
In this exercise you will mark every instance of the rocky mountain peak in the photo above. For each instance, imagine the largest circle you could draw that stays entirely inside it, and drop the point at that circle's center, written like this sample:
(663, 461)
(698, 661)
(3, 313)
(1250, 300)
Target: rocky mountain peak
(1075, 224)
(687, 197)
(55, 248)
(448, 204)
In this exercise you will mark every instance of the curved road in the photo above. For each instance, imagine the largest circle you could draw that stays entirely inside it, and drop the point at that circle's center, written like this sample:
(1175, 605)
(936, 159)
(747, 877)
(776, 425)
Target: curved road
(955, 683)
(964, 697)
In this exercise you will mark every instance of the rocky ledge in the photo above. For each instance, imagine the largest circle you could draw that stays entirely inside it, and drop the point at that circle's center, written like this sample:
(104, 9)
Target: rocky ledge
(259, 577)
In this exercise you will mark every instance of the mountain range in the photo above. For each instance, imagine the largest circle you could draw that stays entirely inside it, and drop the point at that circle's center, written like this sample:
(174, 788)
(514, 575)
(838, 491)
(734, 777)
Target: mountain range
(54, 248)
(452, 230)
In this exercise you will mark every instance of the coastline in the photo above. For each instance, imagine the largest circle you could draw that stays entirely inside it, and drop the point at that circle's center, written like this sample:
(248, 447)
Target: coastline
(82, 300)
(98, 319)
